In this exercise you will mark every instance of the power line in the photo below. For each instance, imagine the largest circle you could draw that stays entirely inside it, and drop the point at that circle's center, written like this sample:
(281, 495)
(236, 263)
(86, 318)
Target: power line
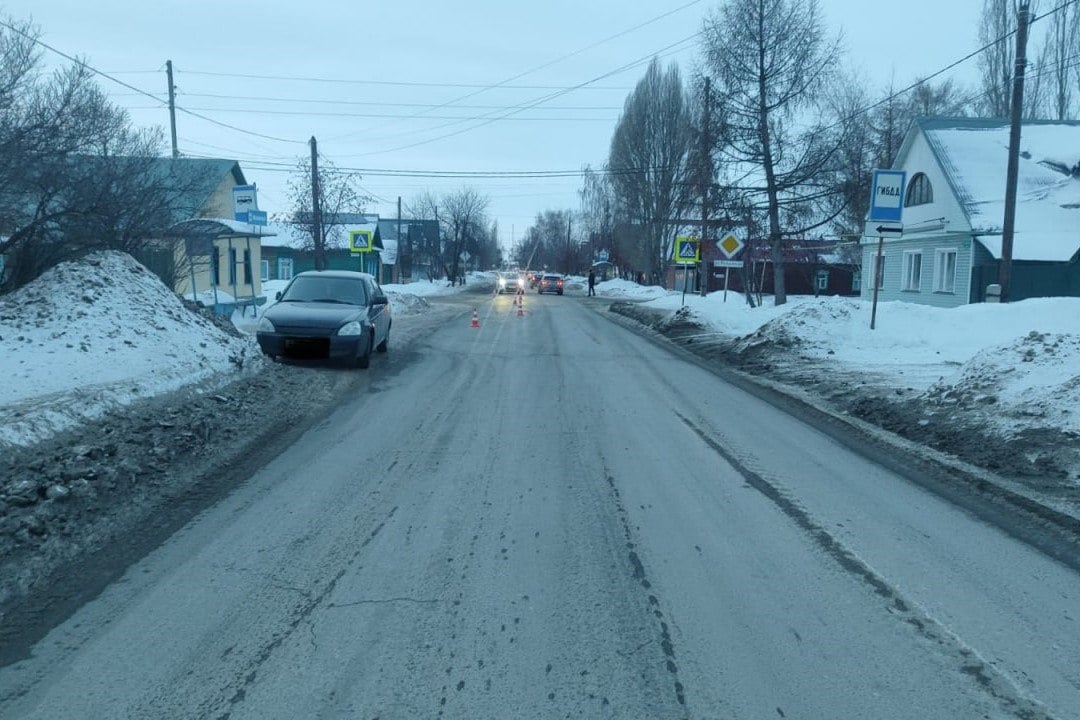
(344, 81)
(942, 71)
(370, 103)
(566, 56)
(129, 86)
(309, 113)
(538, 101)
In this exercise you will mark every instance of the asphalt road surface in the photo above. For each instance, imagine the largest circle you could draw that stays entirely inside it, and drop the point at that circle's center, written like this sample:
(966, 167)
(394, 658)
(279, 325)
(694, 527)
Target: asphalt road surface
(553, 517)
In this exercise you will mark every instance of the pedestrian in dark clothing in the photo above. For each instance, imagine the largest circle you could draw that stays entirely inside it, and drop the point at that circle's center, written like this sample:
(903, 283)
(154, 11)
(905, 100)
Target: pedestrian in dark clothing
(592, 283)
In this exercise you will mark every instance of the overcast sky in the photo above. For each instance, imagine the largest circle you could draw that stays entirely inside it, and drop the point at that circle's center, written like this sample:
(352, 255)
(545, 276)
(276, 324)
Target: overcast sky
(377, 72)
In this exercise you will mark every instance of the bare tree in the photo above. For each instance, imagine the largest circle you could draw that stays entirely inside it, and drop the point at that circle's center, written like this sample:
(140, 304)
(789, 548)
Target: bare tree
(339, 198)
(1063, 41)
(597, 201)
(649, 161)
(428, 247)
(75, 177)
(773, 62)
(463, 215)
(997, 62)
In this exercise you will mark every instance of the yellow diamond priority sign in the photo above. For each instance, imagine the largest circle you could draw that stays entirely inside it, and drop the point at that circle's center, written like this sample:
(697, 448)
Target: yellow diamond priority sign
(730, 245)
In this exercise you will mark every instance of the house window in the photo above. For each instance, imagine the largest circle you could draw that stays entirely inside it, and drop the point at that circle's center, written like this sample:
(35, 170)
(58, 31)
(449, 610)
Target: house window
(912, 270)
(264, 270)
(248, 280)
(215, 266)
(919, 191)
(856, 280)
(284, 269)
(822, 280)
(945, 271)
(232, 266)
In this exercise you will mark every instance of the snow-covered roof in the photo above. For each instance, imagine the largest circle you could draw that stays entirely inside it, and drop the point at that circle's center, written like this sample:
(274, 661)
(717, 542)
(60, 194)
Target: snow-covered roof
(289, 235)
(389, 251)
(974, 156)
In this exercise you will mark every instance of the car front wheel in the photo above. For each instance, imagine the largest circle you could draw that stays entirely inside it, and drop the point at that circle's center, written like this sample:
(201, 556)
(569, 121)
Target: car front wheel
(385, 344)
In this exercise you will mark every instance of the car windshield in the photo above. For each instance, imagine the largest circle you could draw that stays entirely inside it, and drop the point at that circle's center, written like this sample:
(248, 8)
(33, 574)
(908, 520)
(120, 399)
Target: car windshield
(314, 288)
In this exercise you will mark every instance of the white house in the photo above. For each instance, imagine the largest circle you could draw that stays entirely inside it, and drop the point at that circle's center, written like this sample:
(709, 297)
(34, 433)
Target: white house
(954, 210)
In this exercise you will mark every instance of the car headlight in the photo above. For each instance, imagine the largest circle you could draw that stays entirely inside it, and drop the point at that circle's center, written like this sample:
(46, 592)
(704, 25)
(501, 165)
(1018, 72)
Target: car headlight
(353, 328)
(502, 282)
(266, 326)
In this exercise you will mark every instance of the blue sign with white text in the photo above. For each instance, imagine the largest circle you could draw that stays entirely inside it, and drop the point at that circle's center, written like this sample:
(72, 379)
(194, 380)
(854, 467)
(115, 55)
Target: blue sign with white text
(887, 196)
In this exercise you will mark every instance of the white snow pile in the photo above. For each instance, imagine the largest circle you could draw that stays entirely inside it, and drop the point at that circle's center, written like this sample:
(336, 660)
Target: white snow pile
(406, 303)
(627, 290)
(1034, 379)
(1021, 358)
(100, 332)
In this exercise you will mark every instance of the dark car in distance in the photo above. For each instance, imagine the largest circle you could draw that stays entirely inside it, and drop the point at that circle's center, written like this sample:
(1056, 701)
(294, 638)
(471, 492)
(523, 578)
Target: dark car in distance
(550, 282)
(327, 314)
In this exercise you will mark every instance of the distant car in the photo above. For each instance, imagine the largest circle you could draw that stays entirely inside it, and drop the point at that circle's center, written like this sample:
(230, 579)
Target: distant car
(549, 282)
(327, 314)
(510, 282)
(534, 278)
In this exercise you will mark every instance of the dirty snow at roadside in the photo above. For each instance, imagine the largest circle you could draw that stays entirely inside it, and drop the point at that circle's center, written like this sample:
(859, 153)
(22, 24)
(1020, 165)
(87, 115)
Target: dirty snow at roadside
(1024, 356)
(97, 333)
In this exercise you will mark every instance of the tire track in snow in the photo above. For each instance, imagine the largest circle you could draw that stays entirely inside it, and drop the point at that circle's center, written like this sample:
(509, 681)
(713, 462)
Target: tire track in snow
(639, 574)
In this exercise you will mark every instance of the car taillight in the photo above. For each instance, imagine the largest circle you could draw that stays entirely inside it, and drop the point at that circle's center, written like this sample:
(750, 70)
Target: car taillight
(559, 283)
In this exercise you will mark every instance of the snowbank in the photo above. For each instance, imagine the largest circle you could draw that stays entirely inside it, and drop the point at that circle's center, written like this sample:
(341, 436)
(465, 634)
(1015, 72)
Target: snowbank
(1021, 358)
(103, 331)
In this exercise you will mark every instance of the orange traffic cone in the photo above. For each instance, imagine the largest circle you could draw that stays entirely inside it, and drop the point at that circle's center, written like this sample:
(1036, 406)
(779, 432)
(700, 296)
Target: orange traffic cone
(475, 319)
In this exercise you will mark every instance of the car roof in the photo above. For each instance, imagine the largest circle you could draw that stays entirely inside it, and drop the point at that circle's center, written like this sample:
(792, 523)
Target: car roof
(349, 274)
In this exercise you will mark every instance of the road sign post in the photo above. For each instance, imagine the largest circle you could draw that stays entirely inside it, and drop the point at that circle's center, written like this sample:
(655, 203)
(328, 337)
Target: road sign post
(886, 209)
(687, 253)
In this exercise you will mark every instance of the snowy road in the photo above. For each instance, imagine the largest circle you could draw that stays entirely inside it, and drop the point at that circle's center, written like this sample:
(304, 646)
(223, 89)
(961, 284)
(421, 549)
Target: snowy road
(553, 517)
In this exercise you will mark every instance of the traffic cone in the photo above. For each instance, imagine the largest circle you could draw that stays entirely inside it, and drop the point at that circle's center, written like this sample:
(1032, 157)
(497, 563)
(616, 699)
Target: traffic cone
(521, 310)
(475, 319)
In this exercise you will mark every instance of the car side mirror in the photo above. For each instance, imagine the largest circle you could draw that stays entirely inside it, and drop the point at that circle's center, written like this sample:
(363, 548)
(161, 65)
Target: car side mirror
(277, 295)
(379, 300)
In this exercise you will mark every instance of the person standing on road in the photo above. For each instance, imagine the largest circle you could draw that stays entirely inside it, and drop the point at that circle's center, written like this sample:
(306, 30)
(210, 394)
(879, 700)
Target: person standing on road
(592, 283)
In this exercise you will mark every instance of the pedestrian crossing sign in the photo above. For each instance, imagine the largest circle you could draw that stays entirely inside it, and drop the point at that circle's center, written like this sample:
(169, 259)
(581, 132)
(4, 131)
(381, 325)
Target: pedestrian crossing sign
(687, 250)
(360, 240)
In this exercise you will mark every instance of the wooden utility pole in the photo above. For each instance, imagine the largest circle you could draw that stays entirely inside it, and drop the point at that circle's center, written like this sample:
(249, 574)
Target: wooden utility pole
(1016, 116)
(706, 182)
(172, 107)
(316, 209)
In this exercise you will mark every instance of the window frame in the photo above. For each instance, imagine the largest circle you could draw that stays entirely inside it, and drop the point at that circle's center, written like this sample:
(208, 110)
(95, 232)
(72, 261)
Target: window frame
(920, 191)
(264, 269)
(906, 267)
(282, 264)
(939, 270)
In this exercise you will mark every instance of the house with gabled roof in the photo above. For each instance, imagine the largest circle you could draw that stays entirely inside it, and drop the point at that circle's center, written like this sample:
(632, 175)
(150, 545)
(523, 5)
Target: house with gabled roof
(205, 253)
(290, 250)
(954, 211)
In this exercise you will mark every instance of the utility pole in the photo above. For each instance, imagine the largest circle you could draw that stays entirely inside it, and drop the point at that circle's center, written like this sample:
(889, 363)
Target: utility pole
(397, 259)
(706, 182)
(1016, 116)
(316, 210)
(172, 107)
